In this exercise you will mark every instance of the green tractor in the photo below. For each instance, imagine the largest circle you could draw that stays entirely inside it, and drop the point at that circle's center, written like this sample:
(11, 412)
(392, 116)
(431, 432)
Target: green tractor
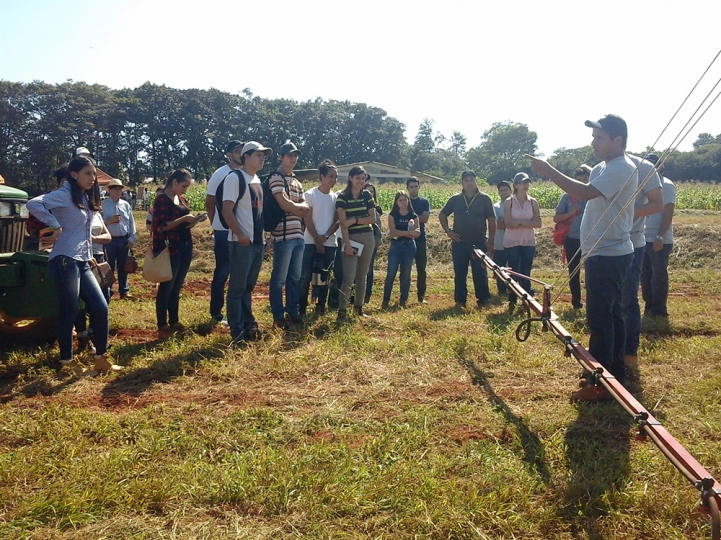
(27, 295)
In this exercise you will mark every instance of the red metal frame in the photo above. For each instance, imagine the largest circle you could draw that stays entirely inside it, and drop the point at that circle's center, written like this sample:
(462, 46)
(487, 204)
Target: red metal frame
(679, 457)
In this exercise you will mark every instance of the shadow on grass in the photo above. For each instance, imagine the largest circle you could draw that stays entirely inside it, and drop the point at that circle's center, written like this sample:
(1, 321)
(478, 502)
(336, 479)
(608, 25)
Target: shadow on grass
(43, 376)
(597, 456)
(136, 381)
(441, 314)
(531, 444)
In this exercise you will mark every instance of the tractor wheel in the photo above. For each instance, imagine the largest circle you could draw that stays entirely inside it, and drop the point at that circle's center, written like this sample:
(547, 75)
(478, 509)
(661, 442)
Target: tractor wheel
(19, 326)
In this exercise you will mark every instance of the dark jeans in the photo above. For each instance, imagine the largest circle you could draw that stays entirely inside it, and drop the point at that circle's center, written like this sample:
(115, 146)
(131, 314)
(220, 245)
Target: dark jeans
(81, 321)
(462, 255)
(117, 252)
(631, 309)
(605, 277)
(401, 254)
(371, 275)
(520, 259)
(220, 275)
(337, 280)
(74, 280)
(573, 256)
(245, 263)
(307, 274)
(654, 280)
(421, 263)
(500, 257)
(167, 299)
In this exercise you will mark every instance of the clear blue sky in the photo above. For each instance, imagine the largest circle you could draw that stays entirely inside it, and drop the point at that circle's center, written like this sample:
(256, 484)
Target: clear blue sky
(463, 63)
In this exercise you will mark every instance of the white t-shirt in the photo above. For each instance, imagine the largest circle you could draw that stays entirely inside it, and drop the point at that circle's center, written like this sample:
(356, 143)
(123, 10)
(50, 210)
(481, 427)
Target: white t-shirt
(646, 173)
(251, 199)
(96, 227)
(213, 184)
(606, 226)
(653, 222)
(323, 207)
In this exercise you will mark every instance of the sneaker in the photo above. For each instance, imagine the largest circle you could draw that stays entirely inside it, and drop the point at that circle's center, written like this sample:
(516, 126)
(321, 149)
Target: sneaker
(84, 344)
(460, 305)
(402, 305)
(253, 334)
(296, 319)
(578, 306)
(359, 311)
(422, 300)
(283, 324)
(591, 394)
(223, 322)
(73, 366)
(123, 296)
(342, 316)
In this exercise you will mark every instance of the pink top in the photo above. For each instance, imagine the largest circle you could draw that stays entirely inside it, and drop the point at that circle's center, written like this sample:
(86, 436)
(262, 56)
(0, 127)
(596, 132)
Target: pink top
(522, 236)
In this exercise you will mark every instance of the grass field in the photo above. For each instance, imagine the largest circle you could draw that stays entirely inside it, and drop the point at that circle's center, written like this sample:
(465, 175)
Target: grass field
(423, 423)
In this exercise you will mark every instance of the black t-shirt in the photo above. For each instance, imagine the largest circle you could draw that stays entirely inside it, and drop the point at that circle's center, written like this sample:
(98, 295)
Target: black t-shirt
(401, 223)
(420, 205)
(469, 216)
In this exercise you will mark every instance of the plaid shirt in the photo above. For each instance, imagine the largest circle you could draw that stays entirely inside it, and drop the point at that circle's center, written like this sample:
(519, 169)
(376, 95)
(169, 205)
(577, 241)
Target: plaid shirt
(165, 210)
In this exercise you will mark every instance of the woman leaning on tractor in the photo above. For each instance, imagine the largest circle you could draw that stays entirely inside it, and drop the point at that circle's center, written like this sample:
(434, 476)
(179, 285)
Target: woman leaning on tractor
(69, 212)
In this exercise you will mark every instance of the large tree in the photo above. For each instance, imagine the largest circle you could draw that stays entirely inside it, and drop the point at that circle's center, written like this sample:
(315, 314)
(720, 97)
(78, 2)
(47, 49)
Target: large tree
(500, 154)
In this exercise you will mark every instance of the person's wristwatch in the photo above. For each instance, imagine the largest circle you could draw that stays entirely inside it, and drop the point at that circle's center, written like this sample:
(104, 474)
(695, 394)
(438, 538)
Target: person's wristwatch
(659, 238)
(325, 236)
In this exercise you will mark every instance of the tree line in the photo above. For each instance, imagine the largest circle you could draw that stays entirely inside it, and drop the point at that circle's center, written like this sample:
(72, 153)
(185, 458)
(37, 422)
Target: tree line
(148, 131)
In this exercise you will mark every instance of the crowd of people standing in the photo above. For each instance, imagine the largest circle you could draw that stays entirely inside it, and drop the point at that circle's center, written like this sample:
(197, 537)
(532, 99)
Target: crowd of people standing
(324, 244)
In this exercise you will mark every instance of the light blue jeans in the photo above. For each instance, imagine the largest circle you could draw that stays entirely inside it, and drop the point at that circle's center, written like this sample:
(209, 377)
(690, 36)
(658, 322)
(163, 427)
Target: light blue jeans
(287, 268)
(401, 254)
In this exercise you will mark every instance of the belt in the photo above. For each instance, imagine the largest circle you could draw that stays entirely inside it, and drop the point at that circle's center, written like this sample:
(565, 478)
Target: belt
(121, 237)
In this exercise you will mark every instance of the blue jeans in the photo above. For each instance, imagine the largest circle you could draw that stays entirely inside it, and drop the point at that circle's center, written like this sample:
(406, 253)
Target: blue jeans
(654, 280)
(401, 254)
(307, 274)
(167, 299)
(81, 321)
(74, 280)
(520, 259)
(117, 252)
(245, 262)
(631, 309)
(462, 255)
(221, 273)
(287, 267)
(421, 263)
(605, 277)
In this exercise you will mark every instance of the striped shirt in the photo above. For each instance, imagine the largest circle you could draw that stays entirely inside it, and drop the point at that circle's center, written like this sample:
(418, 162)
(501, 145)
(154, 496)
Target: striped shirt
(292, 227)
(359, 208)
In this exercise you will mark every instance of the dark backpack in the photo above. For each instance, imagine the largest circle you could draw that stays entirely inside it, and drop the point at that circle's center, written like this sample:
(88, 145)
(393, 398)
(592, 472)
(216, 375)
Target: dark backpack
(219, 195)
(273, 214)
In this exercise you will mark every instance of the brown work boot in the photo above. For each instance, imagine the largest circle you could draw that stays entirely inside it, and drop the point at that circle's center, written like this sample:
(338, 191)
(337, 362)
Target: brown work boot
(101, 365)
(591, 394)
(165, 332)
(73, 366)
